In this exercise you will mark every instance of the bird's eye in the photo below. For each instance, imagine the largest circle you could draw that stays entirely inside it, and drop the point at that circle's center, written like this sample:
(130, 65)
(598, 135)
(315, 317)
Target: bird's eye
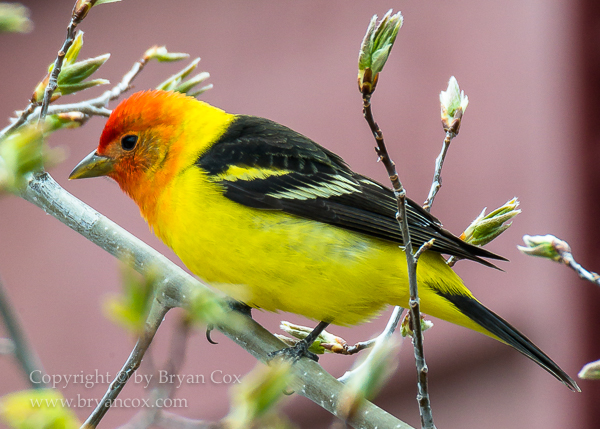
(128, 142)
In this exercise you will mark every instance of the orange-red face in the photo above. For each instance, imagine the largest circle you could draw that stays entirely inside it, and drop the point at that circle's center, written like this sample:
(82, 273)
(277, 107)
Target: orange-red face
(136, 140)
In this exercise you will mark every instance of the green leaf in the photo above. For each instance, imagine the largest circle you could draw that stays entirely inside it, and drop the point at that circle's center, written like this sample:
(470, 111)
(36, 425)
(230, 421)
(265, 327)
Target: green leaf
(545, 246)
(200, 91)
(378, 41)
(172, 82)
(486, 228)
(591, 371)
(70, 89)
(64, 120)
(188, 85)
(161, 54)
(81, 70)
(73, 51)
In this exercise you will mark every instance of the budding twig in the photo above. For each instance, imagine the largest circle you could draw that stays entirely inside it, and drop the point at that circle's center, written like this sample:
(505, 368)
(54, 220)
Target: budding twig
(374, 52)
(551, 247)
(437, 176)
(453, 104)
(411, 262)
(79, 13)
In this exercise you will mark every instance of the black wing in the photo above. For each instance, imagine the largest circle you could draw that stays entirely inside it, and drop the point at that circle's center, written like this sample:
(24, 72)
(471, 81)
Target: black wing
(265, 165)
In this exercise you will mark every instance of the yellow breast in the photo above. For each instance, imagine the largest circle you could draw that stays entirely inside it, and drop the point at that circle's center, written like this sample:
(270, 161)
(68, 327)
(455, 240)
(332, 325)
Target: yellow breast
(276, 261)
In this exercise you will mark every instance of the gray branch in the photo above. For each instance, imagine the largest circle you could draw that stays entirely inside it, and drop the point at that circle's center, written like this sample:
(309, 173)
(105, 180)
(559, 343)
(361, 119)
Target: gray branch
(312, 380)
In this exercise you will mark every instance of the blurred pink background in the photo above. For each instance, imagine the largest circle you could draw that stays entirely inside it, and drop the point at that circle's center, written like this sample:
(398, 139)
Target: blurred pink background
(530, 69)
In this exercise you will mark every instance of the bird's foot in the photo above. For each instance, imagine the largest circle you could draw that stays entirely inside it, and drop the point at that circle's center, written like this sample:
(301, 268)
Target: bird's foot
(294, 353)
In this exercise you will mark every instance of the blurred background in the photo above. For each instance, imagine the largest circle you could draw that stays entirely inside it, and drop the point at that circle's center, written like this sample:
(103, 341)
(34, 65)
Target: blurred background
(531, 71)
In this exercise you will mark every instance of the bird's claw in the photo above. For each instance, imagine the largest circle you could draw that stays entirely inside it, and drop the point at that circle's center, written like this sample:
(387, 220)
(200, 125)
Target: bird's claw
(294, 353)
(209, 329)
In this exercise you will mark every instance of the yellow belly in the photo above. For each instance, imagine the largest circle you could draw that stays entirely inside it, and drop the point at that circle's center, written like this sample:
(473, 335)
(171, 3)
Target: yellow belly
(280, 262)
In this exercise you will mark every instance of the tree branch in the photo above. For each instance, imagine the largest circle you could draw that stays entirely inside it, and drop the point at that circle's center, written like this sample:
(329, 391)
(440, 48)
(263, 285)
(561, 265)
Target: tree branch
(437, 175)
(312, 380)
(411, 263)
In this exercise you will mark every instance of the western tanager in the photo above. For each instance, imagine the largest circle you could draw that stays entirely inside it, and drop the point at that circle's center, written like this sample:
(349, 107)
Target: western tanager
(280, 223)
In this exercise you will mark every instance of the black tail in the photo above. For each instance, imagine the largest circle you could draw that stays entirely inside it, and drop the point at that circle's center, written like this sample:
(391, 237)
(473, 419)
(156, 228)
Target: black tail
(493, 323)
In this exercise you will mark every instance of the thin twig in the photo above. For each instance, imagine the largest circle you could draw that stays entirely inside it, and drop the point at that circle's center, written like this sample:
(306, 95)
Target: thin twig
(551, 247)
(20, 121)
(149, 417)
(157, 313)
(568, 260)
(25, 354)
(79, 13)
(311, 381)
(425, 247)
(93, 107)
(411, 262)
(437, 176)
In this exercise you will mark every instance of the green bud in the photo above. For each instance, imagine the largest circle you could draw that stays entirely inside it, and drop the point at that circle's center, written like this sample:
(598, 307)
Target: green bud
(590, 371)
(376, 47)
(545, 246)
(486, 228)
(161, 54)
(172, 82)
(453, 103)
(76, 72)
(72, 74)
(38, 92)
(200, 91)
(64, 120)
(406, 328)
(14, 18)
(72, 52)
(188, 85)
(82, 7)
(76, 87)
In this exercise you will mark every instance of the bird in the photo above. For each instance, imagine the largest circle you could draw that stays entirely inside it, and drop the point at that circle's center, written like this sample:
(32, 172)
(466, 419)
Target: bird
(280, 223)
